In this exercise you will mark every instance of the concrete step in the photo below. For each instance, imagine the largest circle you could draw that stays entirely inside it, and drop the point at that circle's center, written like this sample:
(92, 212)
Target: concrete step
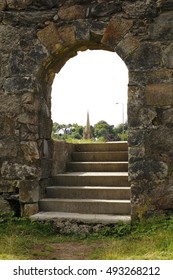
(108, 146)
(98, 166)
(85, 218)
(91, 179)
(100, 156)
(85, 206)
(88, 192)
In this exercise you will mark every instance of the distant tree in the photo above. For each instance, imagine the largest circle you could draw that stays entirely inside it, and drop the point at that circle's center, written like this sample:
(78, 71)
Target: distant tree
(104, 130)
(121, 132)
(64, 131)
(101, 131)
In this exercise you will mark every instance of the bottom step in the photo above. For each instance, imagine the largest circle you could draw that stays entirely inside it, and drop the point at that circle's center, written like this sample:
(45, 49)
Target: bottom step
(86, 218)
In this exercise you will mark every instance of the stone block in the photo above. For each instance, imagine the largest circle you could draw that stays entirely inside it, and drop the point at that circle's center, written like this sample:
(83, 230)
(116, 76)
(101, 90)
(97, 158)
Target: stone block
(9, 37)
(20, 63)
(20, 85)
(136, 137)
(83, 30)
(30, 150)
(8, 186)
(150, 77)
(148, 170)
(161, 29)
(168, 56)
(67, 34)
(159, 140)
(45, 128)
(115, 31)
(136, 154)
(46, 168)
(140, 9)
(72, 13)
(127, 46)
(29, 132)
(146, 57)
(4, 205)
(29, 209)
(105, 9)
(162, 196)
(3, 5)
(15, 171)
(9, 148)
(9, 104)
(28, 191)
(49, 37)
(168, 117)
(159, 94)
(19, 4)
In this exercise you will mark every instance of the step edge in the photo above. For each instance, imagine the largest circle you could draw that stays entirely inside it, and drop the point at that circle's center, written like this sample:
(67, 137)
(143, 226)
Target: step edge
(88, 218)
(86, 200)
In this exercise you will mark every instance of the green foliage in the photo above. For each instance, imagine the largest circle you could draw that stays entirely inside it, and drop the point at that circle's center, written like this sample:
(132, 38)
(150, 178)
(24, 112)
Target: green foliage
(117, 230)
(101, 132)
(25, 239)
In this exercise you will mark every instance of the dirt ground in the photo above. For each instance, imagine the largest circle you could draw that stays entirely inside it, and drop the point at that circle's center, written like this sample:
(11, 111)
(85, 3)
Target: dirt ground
(65, 251)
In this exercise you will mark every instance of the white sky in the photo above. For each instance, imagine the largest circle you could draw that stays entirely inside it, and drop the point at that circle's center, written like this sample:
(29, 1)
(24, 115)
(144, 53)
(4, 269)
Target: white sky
(93, 81)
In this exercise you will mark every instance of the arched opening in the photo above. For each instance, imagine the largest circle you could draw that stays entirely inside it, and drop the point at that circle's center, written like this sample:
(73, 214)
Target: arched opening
(94, 81)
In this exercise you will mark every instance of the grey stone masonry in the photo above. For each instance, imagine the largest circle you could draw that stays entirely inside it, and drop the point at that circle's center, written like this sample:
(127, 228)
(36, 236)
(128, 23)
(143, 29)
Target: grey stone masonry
(36, 39)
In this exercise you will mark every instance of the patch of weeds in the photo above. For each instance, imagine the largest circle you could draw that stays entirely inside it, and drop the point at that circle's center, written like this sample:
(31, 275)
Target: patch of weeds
(117, 230)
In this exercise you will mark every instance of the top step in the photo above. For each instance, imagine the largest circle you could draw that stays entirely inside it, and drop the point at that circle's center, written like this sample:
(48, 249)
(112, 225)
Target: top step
(99, 147)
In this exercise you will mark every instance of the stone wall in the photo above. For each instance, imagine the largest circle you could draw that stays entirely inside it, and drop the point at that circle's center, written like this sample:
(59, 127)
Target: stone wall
(37, 37)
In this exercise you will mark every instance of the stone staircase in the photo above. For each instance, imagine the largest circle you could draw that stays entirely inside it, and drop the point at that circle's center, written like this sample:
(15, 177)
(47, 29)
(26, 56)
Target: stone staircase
(95, 187)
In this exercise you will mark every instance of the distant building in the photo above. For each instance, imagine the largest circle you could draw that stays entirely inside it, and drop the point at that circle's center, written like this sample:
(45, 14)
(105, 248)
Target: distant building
(87, 129)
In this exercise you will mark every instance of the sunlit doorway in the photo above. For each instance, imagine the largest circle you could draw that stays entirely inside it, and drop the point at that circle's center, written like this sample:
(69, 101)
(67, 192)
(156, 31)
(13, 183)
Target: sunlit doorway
(93, 81)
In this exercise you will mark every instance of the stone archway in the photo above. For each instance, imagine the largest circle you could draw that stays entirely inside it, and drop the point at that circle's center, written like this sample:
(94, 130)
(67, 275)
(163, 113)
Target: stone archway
(37, 38)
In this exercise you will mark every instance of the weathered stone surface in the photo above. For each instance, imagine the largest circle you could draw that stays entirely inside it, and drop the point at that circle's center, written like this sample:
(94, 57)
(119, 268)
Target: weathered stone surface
(37, 37)
(8, 149)
(150, 76)
(136, 154)
(61, 155)
(167, 116)
(165, 5)
(53, 37)
(82, 30)
(168, 56)
(140, 9)
(72, 13)
(148, 56)
(50, 37)
(9, 104)
(115, 31)
(127, 46)
(3, 5)
(30, 150)
(29, 209)
(9, 37)
(18, 4)
(14, 171)
(28, 191)
(159, 94)
(29, 132)
(18, 85)
(159, 140)
(105, 9)
(161, 29)
(4, 205)
(148, 170)
(8, 186)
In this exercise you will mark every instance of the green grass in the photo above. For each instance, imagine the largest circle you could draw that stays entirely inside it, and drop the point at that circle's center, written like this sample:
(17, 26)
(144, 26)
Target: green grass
(25, 239)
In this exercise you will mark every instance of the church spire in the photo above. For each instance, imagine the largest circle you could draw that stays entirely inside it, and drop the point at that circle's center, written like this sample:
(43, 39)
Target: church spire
(87, 129)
